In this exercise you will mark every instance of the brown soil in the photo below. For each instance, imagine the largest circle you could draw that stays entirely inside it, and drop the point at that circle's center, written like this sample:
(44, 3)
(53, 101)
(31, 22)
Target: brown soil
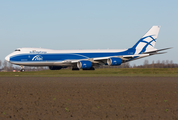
(112, 98)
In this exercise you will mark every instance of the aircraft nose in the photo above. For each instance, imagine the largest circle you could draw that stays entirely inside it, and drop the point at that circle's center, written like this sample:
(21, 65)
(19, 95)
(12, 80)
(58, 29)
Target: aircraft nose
(7, 58)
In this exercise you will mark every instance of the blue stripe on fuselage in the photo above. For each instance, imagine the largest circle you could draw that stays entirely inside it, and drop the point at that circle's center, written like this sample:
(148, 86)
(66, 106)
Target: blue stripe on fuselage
(67, 56)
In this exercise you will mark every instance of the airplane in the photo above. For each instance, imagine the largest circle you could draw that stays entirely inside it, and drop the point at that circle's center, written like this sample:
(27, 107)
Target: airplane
(85, 59)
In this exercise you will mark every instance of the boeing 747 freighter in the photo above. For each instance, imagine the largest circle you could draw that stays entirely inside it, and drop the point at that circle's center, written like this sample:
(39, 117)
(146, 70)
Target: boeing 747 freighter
(85, 59)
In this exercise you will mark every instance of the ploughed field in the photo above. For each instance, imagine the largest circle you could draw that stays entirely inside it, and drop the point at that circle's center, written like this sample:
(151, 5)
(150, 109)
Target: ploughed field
(82, 98)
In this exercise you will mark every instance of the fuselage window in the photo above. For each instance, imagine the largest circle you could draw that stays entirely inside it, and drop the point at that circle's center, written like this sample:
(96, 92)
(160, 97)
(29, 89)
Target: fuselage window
(17, 50)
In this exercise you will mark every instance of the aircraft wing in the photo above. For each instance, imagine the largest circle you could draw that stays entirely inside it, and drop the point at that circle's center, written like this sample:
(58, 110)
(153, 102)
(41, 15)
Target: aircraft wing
(125, 58)
(99, 59)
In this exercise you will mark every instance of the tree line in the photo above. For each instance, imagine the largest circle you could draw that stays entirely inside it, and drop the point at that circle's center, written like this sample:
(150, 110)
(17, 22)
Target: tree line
(6, 66)
(157, 64)
(146, 64)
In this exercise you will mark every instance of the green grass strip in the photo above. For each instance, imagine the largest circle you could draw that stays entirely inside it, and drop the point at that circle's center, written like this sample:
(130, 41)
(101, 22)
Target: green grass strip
(170, 72)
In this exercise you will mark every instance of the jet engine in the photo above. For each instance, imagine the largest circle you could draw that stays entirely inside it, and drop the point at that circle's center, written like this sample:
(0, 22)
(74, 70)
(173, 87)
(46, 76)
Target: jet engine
(84, 64)
(114, 61)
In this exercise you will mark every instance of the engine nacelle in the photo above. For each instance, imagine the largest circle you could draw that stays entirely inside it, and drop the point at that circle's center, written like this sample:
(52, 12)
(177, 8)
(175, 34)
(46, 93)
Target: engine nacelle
(114, 61)
(84, 64)
(55, 67)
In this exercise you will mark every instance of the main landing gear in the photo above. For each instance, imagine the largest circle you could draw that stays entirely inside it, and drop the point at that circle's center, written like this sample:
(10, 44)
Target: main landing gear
(22, 69)
(75, 68)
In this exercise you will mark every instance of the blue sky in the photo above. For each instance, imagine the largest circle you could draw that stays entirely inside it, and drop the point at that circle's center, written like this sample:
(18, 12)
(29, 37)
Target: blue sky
(81, 24)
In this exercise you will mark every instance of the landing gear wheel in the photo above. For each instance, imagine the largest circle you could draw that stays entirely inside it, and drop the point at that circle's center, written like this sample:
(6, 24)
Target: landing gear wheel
(92, 68)
(22, 70)
(75, 68)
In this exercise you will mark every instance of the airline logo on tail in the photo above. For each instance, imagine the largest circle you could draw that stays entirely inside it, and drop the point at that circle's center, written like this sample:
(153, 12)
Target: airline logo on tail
(147, 42)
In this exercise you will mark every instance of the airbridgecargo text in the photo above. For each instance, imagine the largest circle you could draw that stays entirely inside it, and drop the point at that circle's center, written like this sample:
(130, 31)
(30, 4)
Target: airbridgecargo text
(38, 52)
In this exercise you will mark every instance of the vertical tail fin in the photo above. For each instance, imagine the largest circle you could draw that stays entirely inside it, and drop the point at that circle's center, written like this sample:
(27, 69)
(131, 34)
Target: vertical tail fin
(147, 41)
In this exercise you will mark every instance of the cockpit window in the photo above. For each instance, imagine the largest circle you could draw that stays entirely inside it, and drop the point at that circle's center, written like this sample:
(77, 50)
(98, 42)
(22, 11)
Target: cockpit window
(17, 50)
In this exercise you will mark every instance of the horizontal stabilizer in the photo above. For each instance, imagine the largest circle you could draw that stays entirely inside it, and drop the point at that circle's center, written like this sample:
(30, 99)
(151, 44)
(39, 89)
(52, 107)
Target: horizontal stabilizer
(155, 51)
(158, 53)
(164, 49)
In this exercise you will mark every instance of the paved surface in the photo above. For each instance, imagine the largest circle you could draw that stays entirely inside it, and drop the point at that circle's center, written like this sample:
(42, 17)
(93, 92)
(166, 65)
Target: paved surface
(112, 98)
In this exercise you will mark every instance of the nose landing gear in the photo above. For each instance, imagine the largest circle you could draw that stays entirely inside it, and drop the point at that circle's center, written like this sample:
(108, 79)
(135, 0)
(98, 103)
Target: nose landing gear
(22, 69)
